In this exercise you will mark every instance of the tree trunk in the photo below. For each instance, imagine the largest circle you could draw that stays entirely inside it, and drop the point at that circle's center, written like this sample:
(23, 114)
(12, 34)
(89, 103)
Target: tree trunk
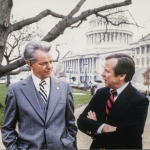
(5, 10)
(8, 80)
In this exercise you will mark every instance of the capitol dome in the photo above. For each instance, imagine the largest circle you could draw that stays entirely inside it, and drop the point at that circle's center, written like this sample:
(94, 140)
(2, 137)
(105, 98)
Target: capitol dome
(102, 34)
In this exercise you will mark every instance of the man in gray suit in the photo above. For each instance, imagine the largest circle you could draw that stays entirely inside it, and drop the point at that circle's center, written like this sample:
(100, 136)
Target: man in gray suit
(41, 105)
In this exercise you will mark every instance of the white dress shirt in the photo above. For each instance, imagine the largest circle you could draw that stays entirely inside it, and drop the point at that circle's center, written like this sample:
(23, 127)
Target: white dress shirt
(37, 81)
(119, 90)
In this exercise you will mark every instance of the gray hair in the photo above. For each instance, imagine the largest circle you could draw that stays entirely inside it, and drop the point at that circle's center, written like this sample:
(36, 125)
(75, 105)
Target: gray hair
(29, 52)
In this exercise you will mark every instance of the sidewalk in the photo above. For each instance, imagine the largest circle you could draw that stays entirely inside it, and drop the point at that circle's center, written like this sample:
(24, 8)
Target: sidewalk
(84, 141)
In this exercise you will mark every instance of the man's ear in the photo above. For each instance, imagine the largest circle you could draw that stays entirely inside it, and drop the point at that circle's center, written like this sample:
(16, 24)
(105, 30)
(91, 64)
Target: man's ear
(122, 77)
(29, 64)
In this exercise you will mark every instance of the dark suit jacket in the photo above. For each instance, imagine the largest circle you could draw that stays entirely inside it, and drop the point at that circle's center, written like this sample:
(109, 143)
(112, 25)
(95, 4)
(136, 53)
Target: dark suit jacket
(37, 130)
(128, 113)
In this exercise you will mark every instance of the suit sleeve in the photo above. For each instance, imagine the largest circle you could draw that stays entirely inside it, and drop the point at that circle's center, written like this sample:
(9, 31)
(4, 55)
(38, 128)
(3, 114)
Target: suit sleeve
(86, 125)
(129, 129)
(70, 118)
(9, 134)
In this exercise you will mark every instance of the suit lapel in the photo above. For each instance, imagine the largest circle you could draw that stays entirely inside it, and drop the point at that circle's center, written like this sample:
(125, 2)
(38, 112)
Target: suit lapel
(55, 90)
(28, 90)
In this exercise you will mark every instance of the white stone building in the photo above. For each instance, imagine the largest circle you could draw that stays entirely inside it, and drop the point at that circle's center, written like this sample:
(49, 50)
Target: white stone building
(118, 39)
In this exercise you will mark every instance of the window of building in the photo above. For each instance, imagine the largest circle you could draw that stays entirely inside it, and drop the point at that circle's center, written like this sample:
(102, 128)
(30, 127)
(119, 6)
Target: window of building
(138, 51)
(147, 61)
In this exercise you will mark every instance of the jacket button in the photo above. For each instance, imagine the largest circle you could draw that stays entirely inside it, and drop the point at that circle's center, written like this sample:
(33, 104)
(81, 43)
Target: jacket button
(88, 132)
(44, 144)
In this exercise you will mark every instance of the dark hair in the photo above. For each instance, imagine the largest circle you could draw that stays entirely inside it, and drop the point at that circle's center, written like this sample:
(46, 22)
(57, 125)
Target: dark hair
(125, 65)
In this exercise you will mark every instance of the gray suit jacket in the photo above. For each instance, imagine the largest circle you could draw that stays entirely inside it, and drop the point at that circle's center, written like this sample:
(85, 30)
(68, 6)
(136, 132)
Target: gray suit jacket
(56, 130)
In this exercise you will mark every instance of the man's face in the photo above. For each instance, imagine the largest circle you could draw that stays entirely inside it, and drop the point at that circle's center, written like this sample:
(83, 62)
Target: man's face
(42, 67)
(109, 77)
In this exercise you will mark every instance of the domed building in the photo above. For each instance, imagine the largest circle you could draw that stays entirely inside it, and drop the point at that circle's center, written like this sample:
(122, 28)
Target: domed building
(104, 39)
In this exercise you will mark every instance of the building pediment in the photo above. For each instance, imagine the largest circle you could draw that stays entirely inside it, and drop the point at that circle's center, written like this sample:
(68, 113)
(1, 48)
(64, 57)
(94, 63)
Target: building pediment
(70, 54)
(147, 37)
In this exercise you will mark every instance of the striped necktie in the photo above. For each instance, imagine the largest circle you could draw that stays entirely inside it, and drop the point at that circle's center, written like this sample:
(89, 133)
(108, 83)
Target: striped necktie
(110, 102)
(42, 90)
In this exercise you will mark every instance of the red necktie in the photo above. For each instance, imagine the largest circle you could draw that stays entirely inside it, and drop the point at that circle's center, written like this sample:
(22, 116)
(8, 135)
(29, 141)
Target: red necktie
(110, 102)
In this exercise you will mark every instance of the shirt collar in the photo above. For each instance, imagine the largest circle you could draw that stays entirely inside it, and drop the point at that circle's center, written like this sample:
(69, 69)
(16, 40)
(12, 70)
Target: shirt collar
(119, 90)
(37, 80)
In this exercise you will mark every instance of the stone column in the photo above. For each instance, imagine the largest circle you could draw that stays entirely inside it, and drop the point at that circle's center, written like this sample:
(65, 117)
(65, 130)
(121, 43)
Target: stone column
(94, 39)
(106, 38)
(87, 60)
(145, 56)
(114, 37)
(92, 68)
(65, 66)
(100, 38)
(75, 62)
(118, 37)
(83, 65)
(90, 65)
(78, 65)
(72, 65)
(140, 51)
(69, 65)
(110, 37)
(98, 68)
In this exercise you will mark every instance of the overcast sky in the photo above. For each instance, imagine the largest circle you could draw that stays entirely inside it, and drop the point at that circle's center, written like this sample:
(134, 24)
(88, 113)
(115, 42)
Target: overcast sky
(75, 38)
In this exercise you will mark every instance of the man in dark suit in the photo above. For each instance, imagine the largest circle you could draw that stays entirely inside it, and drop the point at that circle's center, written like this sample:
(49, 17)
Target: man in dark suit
(116, 115)
(41, 104)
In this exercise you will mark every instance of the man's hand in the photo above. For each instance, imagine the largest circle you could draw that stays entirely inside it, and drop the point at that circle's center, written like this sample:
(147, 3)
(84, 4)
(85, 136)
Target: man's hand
(92, 115)
(108, 128)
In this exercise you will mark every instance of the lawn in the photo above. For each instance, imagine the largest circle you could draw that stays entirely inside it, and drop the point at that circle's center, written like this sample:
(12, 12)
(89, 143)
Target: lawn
(80, 98)
(3, 90)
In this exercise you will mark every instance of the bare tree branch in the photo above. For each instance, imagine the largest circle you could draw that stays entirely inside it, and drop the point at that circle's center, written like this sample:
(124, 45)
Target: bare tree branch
(21, 69)
(56, 60)
(116, 24)
(77, 25)
(76, 9)
(21, 24)
(12, 66)
(15, 58)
